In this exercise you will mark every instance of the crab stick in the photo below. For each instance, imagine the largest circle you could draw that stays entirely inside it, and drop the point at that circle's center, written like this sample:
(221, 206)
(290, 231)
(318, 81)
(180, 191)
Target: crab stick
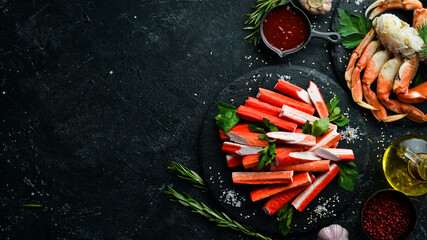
(335, 154)
(233, 160)
(293, 138)
(295, 157)
(262, 177)
(223, 135)
(247, 138)
(252, 160)
(254, 115)
(317, 99)
(296, 116)
(279, 100)
(305, 197)
(263, 107)
(327, 140)
(299, 117)
(314, 166)
(299, 180)
(291, 90)
(241, 127)
(279, 200)
(239, 149)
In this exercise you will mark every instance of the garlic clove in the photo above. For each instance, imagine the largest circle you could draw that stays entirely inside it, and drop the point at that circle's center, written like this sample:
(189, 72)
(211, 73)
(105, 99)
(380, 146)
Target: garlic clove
(333, 232)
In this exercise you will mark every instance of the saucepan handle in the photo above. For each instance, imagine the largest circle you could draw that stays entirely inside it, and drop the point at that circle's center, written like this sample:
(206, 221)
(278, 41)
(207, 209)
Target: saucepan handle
(331, 37)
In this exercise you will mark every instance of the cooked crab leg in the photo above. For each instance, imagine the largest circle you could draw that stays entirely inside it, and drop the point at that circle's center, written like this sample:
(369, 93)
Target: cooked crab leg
(356, 84)
(356, 54)
(381, 113)
(374, 66)
(384, 5)
(407, 72)
(385, 86)
(386, 77)
(414, 95)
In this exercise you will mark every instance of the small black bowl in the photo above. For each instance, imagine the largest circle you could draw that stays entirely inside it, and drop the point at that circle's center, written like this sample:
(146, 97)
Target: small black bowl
(399, 197)
(331, 37)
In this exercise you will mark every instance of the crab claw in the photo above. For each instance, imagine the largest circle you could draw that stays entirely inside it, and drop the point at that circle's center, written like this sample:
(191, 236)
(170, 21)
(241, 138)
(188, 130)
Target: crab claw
(384, 5)
(414, 95)
(412, 112)
(381, 113)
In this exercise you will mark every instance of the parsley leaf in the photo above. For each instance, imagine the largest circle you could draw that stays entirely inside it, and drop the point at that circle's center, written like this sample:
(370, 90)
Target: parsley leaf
(421, 76)
(320, 127)
(267, 155)
(263, 127)
(348, 175)
(306, 129)
(285, 218)
(335, 114)
(353, 28)
(227, 117)
(422, 32)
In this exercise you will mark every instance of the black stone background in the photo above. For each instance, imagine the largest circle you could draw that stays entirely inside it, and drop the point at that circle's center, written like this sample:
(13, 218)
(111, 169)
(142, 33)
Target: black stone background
(97, 97)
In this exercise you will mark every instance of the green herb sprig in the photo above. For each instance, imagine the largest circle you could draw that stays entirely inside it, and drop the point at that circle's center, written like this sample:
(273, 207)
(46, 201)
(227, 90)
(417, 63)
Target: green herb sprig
(254, 18)
(188, 174)
(319, 127)
(32, 205)
(353, 28)
(347, 175)
(335, 114)
(227, 116)
(285, 214)
(220, 218)
(268, 153)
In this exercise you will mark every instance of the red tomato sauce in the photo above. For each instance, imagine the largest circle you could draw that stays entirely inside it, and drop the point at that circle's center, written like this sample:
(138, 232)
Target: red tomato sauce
(285, 28)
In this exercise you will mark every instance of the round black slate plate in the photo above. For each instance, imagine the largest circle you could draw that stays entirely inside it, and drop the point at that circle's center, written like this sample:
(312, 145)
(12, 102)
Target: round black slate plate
(235, 199)
(340, 55)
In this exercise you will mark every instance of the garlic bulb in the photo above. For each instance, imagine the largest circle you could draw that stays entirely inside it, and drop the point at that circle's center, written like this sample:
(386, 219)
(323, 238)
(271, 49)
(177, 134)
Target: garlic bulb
(316, 7)
(333, 232)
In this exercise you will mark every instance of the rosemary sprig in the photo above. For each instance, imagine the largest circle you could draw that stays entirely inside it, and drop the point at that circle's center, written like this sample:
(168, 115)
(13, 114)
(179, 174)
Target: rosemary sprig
(221, 219)
(254, 18)
(187, 174)
(32, 205)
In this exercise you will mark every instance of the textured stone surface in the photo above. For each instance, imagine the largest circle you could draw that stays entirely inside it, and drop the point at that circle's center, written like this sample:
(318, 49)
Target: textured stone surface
(97, 97)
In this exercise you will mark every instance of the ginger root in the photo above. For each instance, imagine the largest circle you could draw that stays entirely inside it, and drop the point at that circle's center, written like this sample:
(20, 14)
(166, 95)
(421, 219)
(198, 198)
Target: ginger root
(316, 7)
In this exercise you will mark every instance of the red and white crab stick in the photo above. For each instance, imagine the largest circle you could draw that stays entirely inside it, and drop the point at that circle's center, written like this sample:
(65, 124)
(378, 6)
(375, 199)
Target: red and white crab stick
(305, 197)
(327, 140)
(253, 178)
(252, 160)
(295, 157)
(317, 99)
(313, 166)
(254, 115)
(299, 117)
(263, 107)
(293, 138)
(223, 135)
(335, 154)
(279, 100)
(299, 180)
(233, 160)
(296, 116)
(279, 200)
(291, 90)
(239, 149)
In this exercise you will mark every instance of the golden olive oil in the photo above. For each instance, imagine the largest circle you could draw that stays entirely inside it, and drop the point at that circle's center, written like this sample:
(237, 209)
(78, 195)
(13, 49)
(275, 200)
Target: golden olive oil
(400, 171)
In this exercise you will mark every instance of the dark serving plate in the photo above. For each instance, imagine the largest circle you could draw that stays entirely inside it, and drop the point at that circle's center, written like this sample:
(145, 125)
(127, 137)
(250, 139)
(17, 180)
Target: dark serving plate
(235, 199)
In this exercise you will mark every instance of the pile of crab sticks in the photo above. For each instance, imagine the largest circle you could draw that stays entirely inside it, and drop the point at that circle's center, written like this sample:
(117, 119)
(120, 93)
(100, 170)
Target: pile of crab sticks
(303, 165)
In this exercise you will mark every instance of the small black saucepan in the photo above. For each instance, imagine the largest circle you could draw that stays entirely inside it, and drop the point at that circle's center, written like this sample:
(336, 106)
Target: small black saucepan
(296, 20)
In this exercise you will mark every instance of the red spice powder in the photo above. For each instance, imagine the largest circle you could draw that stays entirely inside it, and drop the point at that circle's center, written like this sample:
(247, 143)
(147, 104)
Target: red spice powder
(386, 216)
